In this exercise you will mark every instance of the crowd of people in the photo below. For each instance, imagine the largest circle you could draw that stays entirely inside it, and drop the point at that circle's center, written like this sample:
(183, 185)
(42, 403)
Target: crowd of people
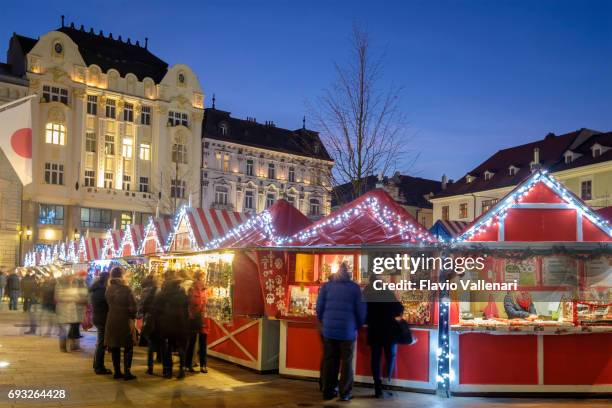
(172, 311)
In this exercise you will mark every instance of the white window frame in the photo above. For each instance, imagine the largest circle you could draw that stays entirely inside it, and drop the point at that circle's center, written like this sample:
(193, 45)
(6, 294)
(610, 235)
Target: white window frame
(54, 173)
(90, 178)
(128, 112)
(110, 109)
(127, 147)
(55, 94)
(249, 200)
(145, 115)
(92, 105)
(145, 152)
(55, 133)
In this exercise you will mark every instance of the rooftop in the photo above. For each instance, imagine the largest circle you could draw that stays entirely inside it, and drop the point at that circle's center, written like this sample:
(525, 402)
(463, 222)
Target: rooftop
(219, 125)
(551, 151)
(108, 52)
(412, 190)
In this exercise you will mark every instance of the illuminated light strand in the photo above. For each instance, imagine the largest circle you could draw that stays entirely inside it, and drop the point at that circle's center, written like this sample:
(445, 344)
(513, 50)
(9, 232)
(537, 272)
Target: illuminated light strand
(500, 210)
(444, 357)
(177, 219)
(389, 219)
(262, 221)
(151, 225)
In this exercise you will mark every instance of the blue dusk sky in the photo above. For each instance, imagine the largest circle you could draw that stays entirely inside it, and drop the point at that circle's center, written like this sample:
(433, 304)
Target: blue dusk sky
(478, 75)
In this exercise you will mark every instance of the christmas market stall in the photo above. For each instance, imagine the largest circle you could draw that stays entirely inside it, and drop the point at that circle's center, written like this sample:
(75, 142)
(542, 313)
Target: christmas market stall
(251, 337)
(234, 305)
(112, 243)
(538, 316)
(446, 230)
(371, 226)
(153, 244)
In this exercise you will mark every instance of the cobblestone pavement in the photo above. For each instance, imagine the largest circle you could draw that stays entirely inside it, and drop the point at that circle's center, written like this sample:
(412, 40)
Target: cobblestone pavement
(35, 361)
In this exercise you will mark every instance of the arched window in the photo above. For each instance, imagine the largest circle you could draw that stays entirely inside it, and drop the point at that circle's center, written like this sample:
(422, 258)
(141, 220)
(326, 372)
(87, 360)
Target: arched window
(221, 194)
(55, 133)
(315, 206)
(270, 198)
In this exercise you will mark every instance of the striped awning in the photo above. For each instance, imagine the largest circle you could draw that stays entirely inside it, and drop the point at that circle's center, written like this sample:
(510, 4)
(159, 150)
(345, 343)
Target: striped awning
(93, 248)
(132, 238)
(155, 235)
(112, 244)
(453, 227)
(205, 225)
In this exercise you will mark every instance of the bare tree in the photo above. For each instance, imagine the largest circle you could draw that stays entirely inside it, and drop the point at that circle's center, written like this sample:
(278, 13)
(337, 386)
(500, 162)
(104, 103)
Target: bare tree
(359, 118)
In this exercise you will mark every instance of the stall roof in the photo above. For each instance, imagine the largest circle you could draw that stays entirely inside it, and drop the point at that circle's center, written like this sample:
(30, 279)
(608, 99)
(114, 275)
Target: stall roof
(112, 243)
(372, 218)
(268, 228)
(606, 213)
(446, 230)
(540, 209)
(157, 229)
(131, 240)
(92, 247)
(203, 225)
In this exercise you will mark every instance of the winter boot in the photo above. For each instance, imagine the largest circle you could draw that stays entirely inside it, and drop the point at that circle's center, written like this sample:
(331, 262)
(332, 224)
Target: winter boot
(75, 345)
(127, 364)
(62, 344)
(116, 356)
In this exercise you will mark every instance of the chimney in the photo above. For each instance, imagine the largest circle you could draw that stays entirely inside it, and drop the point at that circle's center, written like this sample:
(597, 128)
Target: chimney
(535, 164)
(444, 182)
(379, 181)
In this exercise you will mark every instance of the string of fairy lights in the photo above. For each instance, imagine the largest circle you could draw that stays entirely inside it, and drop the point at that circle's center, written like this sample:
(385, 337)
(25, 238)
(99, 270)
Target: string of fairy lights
(499, 211)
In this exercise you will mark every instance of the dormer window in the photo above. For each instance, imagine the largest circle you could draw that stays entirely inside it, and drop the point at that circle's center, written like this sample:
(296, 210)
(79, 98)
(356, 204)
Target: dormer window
(469, 178)
(488, 175)
(223, 129)
(597, 150)
(569, 157)
(512, 170)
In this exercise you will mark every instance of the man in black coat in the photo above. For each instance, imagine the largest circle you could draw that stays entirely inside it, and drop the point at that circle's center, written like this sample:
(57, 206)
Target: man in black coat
(171, 309)
(28, 290)
(99, 308)
(383, 331)
(13, 286)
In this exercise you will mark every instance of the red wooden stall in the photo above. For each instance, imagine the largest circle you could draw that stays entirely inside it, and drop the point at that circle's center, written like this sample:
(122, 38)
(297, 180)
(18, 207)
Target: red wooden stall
(246, 337)
(252, 337)
(375, 220)
(569, 354)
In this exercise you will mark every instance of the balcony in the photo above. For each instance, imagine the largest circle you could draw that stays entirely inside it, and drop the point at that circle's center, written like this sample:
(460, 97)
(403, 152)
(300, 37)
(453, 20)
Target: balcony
(118, 199)
(222, 206)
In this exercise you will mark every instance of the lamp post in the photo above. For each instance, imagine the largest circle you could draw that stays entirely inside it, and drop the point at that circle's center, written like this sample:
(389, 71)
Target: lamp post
(28, 234)
(77, 235)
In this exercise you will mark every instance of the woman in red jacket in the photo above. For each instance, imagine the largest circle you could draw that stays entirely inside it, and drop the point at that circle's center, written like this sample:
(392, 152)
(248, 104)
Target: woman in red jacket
(197, 322)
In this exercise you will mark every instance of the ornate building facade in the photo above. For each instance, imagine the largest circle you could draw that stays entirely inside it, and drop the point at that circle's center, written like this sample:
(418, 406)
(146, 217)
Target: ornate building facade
(247, 165)
(116, 131)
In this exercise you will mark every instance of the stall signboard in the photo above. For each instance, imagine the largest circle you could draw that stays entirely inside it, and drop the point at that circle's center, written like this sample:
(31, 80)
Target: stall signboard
(599, 272)
(273, 281)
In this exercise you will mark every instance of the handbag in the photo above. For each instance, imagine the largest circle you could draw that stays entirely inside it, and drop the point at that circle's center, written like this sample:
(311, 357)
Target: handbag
(404, 334)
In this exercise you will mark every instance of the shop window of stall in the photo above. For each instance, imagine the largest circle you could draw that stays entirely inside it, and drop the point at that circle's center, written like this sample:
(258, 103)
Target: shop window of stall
(531, 293)
(308, 272)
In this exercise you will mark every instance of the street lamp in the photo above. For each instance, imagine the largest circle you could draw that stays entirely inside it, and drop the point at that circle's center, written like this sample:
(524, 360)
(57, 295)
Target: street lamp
(77, 235)
(28, 232)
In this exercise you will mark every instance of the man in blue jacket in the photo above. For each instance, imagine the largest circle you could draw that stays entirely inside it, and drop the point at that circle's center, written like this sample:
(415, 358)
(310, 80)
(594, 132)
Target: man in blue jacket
(341, 312)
